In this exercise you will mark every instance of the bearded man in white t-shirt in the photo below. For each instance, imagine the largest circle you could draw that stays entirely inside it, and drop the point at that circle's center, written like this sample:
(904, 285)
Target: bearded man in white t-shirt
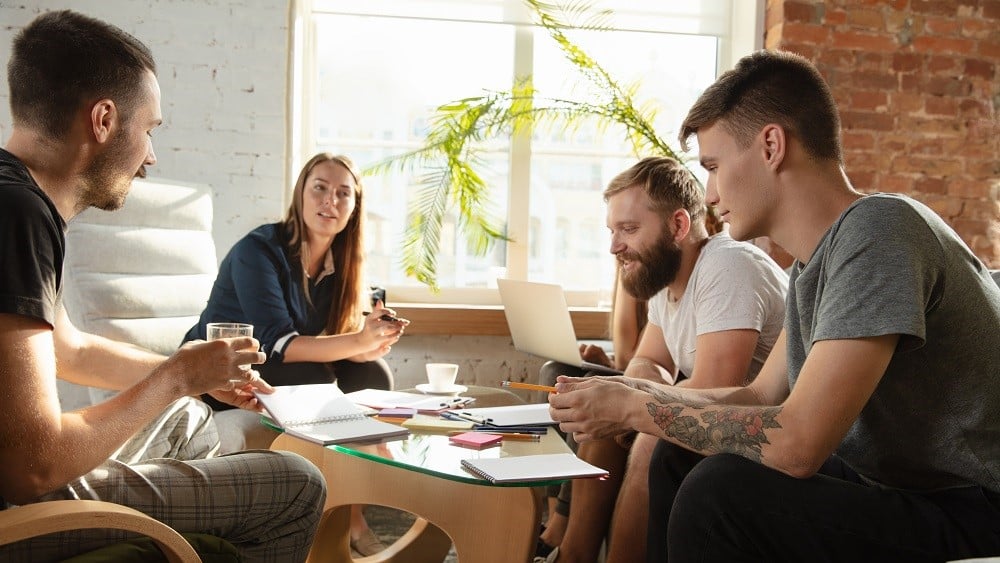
(716, 307)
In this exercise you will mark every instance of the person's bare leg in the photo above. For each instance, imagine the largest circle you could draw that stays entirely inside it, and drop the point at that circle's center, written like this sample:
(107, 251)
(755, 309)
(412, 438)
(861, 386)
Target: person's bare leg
(627, 541)
(555, 528)
(363, 540)
(592, 503)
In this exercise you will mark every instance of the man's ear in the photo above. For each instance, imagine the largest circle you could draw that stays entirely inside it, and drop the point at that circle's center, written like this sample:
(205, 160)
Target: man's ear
(104, 119)
(774, 145)
(680, 220)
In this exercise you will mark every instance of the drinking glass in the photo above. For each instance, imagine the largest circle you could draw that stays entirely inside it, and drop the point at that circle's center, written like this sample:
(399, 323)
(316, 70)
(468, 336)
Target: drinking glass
(215, 331)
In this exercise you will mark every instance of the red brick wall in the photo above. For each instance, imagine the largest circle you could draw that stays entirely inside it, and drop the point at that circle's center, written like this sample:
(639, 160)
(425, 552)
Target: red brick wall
(918, 87)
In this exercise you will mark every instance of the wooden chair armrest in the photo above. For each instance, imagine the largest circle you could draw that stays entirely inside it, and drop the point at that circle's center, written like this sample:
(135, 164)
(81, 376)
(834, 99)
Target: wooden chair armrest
(31, 520)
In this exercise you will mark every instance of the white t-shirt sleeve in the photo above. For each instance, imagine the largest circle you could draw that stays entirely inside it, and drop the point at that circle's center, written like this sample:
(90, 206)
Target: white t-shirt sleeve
(731, 289)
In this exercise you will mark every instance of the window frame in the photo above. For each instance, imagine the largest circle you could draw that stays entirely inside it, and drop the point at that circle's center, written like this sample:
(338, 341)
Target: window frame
(736, 24)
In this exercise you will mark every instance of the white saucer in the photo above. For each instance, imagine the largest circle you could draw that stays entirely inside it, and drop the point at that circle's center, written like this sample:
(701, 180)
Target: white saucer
(453, 390)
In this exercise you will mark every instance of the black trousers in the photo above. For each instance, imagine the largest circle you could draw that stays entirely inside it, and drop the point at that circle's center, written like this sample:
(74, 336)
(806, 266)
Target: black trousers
(727, 508)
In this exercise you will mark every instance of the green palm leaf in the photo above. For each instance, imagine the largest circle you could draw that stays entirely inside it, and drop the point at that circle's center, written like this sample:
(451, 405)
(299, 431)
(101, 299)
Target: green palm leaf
(451, 161)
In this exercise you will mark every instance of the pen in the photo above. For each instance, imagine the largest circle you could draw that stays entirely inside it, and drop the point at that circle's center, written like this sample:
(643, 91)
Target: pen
(457, 402)
(472, 418)
(528, 386)
(452, 415)
(512, 429)
(522, 437)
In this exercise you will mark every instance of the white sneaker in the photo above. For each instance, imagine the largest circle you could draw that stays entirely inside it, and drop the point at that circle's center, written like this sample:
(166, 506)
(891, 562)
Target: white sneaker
(553, 556)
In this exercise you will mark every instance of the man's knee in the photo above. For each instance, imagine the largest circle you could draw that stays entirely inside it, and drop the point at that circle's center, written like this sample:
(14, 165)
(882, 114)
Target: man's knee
(671, 460)
(306, 491)
(307, 478)
(714, 486)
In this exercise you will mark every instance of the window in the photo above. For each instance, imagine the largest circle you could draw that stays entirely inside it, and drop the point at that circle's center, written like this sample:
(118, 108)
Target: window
(369, 74)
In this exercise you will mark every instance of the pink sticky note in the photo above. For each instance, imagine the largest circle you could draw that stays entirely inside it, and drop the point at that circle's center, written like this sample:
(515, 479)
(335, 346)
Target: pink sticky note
(476, 439)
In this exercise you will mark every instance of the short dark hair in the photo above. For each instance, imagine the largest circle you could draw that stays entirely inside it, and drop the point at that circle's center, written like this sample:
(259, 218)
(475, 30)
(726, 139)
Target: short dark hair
(64, 59)
(770, 87)
(667, 182)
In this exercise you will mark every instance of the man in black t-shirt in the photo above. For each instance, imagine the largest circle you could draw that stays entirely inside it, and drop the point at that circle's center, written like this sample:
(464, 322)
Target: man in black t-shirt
(84, 100)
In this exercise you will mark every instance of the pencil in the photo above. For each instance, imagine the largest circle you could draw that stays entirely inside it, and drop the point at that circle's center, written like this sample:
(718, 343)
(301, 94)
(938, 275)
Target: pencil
(528, 386)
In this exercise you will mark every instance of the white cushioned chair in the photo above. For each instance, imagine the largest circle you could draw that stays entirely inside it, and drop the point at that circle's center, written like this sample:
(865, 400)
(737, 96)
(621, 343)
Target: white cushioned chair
(141, 274)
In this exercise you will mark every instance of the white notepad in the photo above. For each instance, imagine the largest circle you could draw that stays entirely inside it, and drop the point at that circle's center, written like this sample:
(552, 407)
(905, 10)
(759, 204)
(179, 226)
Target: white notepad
(543, 467)
(321, 413)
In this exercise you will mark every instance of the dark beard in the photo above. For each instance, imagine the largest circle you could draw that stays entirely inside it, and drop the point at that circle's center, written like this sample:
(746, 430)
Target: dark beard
(657, 268)
(99, 188)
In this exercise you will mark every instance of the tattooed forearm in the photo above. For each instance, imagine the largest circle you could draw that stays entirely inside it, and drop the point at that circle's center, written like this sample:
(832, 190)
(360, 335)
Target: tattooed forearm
(738, 430)
(677, 395)
(663, 395)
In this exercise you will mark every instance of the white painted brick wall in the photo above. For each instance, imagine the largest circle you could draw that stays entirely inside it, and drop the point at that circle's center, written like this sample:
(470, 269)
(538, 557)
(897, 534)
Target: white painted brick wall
(222, 71)
(222, 67)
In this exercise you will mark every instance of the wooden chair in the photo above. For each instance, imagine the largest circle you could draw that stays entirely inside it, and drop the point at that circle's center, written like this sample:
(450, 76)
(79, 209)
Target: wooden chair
(33, 520)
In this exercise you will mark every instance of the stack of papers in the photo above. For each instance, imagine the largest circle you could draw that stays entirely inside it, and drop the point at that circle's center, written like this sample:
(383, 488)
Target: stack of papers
(515, 415)
(381, 399)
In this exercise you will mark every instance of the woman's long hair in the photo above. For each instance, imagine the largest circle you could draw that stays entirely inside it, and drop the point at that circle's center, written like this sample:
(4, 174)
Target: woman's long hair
(347, 248)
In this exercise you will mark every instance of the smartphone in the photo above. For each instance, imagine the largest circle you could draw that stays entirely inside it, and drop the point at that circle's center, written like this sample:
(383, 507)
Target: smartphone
(378, 294)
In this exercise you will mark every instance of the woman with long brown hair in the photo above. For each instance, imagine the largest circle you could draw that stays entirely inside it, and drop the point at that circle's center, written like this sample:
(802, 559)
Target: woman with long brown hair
(300, 283)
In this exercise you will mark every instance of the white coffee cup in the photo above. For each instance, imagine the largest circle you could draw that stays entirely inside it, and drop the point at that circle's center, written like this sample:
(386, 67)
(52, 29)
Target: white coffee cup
(441, 377)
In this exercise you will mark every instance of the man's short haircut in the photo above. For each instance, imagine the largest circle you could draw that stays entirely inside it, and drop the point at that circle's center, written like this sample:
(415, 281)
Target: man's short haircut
(770, 87)
(667, 182)
(63, 60)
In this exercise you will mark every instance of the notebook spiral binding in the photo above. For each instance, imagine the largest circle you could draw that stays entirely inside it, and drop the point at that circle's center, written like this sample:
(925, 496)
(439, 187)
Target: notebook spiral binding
(478, 472)
(338, 418)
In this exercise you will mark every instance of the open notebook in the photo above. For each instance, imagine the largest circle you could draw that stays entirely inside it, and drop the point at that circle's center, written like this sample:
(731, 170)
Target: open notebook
(321, 413)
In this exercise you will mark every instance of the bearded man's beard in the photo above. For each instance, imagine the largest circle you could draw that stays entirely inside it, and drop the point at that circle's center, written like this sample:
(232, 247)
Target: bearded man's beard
(657, 267)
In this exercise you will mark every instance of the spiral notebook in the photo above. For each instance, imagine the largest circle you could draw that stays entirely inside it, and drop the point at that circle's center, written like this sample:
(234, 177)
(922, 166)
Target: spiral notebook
(544, 467)
(321, 413)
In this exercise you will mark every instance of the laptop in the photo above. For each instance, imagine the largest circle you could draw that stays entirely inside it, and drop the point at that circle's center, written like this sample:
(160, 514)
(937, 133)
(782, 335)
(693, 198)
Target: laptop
(539, 323)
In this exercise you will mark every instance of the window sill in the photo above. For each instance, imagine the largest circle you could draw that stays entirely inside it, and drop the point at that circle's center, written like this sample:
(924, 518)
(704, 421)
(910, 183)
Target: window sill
(590, 323)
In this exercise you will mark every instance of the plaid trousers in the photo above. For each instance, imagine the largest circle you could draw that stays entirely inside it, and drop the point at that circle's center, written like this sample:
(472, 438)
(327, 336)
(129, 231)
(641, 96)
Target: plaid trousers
(267, 504)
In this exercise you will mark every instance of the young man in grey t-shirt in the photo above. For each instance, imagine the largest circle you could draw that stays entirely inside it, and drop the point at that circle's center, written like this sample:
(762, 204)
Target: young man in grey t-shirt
(872, 433)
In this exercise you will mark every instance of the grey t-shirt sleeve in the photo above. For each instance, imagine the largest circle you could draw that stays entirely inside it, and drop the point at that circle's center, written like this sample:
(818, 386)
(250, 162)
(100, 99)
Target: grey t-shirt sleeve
(884, 263)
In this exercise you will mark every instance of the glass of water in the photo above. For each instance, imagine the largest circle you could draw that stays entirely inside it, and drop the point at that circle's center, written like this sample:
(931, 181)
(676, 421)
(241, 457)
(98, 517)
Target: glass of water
(215, 331)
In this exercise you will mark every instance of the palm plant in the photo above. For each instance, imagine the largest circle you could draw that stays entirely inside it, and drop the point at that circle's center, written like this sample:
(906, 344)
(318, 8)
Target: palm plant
(451, 159)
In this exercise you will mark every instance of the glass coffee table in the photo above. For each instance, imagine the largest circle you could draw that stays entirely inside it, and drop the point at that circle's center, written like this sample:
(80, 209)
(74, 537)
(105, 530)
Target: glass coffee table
(422, 474)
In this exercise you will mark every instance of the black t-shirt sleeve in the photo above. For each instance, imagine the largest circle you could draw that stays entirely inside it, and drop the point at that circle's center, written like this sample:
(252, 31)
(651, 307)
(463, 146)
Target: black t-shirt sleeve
(32, 248)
